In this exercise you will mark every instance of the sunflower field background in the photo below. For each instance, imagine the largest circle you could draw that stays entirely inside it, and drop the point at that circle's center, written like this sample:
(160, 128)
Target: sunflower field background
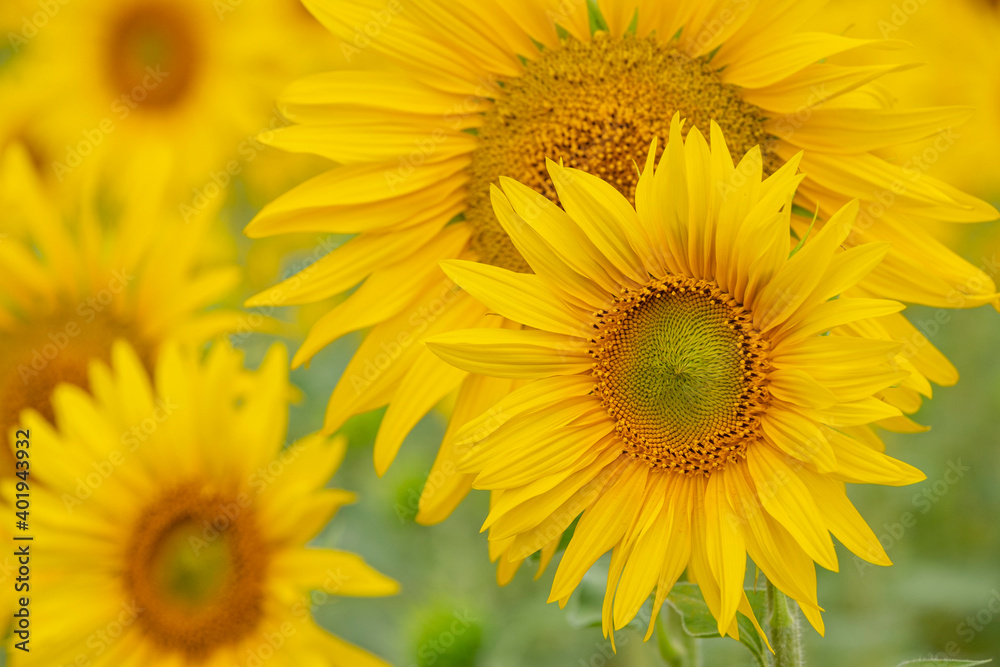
(171, 178)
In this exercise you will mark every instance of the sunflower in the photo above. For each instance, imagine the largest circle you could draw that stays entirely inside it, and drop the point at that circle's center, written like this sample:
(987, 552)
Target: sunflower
(17, 127)
(71, 285)
(175, 524)
(682, 391)
(198, 77)
(477, 90)
(957, 40)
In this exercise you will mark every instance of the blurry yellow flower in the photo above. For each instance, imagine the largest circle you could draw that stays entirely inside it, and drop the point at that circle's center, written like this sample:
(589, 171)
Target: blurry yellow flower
(69, 287)
(316, 50)
(957, 43)
(175, 526)
(477, 90)
(118, 76)
(685, 387)
(17, 126)
(308, 48)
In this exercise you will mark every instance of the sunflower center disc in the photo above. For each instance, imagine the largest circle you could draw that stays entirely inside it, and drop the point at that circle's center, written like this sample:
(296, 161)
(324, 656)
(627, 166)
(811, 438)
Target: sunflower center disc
(152, 55)
(682, 371)
(196, 564)
(596, 106)
(50, 351)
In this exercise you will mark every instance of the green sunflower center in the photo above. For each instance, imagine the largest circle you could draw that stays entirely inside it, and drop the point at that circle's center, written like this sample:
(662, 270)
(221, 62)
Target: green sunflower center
(189, 576)
(595, 106)
(682, 371)
(196, 564)
(152, 55)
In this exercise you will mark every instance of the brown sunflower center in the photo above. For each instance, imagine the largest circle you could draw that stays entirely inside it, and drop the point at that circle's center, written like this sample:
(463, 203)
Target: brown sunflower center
(682, 371)
(152, 55)
(196, 564)
(53, 350)
(35, 149)
(595, 106)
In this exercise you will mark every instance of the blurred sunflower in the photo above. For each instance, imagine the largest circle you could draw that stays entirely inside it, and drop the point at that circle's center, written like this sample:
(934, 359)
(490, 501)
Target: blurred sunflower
(190, 538)
(957, 41)
(72, 286)
(198, 77)
(478, 90)
(682, 390)
(17, 127)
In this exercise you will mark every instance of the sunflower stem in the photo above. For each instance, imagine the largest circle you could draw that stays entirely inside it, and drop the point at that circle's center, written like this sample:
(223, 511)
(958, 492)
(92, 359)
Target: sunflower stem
(682, 652)
(784, 630)
(671, 654)
(693, 651)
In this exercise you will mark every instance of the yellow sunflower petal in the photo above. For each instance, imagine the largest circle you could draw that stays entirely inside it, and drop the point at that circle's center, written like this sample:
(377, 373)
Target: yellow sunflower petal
(788, 500)
(517, 296)
(517, 354)
(600, 527)
(428, 381)
(858, 462)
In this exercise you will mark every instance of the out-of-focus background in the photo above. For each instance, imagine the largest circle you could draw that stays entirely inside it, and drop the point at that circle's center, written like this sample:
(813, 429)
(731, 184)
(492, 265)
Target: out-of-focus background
(941, 597)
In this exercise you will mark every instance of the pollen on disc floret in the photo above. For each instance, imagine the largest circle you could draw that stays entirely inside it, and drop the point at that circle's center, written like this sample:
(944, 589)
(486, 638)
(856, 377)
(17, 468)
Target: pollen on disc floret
(595, 106)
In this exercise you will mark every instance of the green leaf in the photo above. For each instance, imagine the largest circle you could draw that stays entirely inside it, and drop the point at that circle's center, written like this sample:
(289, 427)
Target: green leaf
(802, 212)
(802, 241)
(944, 663)
(597, 22)
(567, 536)
(633, 26)
(698, 621)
